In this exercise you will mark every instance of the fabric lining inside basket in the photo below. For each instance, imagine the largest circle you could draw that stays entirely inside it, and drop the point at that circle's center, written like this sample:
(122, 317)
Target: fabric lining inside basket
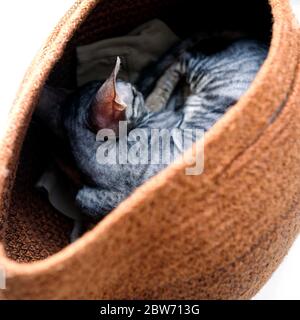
(33, 230)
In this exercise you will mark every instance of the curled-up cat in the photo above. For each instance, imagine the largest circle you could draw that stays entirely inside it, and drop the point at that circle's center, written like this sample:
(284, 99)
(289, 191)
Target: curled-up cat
(188, 89)
(193, 92)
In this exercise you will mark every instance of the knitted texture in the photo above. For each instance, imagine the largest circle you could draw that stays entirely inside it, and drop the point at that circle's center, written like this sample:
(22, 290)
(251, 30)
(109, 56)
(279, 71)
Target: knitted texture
(219, 235)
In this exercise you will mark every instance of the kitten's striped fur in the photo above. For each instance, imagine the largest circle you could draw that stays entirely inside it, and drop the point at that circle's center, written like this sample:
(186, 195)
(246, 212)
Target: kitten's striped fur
(189, 88)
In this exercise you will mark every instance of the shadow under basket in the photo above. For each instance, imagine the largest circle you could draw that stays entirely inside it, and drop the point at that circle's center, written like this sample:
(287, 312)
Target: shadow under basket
(219, 235)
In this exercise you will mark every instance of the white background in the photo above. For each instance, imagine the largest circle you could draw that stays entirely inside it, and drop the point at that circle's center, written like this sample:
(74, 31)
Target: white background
(24, 25)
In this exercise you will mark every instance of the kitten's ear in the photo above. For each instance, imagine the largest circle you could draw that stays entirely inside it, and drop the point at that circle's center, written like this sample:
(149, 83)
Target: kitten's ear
(107, 108)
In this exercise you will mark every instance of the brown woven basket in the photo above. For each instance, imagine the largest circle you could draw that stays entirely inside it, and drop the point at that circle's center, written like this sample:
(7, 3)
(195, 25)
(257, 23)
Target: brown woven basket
(219, 235)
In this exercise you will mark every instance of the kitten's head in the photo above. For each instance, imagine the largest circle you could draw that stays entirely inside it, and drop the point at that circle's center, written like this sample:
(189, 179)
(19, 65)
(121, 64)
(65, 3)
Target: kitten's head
(115, 101)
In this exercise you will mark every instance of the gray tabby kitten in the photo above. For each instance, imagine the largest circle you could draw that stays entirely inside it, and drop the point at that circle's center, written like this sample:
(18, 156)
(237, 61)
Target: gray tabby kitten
(194, 92)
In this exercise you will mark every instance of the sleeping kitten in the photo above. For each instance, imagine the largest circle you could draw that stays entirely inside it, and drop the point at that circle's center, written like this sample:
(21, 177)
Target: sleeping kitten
(194, 92)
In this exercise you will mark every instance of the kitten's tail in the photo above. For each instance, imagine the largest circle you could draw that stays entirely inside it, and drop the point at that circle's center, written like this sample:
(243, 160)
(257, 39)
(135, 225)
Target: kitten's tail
(206, 42)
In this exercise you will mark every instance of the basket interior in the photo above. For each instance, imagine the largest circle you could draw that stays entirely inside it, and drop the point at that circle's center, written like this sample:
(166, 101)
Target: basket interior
(33, 230)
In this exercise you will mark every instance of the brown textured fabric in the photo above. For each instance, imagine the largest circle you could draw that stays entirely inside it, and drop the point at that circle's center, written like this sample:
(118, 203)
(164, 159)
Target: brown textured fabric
(218, 235)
